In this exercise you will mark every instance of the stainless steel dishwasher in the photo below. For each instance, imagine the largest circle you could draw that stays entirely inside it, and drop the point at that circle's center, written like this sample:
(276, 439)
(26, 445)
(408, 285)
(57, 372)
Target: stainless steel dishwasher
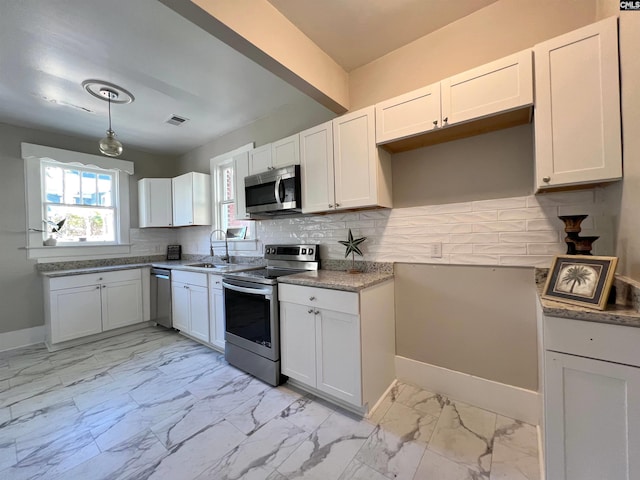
(161, 297)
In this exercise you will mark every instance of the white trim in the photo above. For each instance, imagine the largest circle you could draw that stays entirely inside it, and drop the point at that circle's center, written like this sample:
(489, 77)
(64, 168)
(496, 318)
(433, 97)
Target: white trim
(507, 400)
(381, 399)
(22, 338)
(229, 155)
(32, 155)
(543, 470)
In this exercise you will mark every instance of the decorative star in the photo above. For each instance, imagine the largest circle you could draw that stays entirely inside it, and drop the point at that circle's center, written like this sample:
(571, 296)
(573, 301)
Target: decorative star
(352, 244)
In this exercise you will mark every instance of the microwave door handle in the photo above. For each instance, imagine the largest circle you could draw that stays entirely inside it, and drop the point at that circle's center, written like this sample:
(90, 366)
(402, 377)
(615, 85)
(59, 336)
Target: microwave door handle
(277, 191)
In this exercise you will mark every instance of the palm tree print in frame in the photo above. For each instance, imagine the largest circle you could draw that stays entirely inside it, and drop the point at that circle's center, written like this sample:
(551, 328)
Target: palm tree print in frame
(583, 280)
(578, 279)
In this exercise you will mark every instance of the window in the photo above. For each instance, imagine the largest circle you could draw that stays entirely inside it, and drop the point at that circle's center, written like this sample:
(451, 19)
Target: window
(84, 197)
(226, 199)
(90, 192)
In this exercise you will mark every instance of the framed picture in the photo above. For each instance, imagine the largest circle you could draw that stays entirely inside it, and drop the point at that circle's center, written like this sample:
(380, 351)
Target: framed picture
(238, 233)
(581, 280)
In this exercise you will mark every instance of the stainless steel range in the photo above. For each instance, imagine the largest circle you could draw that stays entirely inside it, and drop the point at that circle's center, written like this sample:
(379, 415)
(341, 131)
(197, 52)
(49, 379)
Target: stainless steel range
(251, 310)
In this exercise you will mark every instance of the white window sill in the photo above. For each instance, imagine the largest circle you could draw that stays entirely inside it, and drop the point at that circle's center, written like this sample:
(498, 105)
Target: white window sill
(73, 252)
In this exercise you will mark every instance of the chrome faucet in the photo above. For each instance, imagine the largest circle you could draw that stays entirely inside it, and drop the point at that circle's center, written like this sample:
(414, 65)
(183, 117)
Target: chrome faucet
(224, 258)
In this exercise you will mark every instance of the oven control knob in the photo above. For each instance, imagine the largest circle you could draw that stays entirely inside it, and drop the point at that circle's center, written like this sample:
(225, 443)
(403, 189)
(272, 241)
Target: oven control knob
(304, 251)
(311, 251)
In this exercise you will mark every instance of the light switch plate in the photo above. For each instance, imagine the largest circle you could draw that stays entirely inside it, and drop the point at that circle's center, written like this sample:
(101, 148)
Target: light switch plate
(436, 250)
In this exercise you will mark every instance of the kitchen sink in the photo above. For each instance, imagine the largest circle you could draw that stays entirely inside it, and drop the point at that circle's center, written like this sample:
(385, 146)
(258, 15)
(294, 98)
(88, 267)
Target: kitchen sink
(206, 265)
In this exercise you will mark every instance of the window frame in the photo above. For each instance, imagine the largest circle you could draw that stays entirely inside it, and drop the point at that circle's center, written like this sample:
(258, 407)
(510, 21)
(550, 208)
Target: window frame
(33, 155)
(216, 164)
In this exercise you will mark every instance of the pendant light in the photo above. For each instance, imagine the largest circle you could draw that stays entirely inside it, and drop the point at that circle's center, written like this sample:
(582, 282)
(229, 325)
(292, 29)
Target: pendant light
(109, 145)
(112, 93)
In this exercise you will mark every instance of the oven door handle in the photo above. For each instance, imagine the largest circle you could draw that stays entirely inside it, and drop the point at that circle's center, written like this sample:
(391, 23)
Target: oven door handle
(249, 290)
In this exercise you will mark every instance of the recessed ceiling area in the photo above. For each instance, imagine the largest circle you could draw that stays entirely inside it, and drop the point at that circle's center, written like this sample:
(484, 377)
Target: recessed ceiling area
(356, 32)
(172, 67)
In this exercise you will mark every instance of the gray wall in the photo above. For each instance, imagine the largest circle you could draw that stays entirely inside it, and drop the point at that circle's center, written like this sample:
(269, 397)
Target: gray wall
(489, 166)
(476, 320)
(20, 286)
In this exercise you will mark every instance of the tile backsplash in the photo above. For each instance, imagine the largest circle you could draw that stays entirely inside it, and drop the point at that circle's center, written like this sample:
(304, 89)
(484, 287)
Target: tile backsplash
(519, 231)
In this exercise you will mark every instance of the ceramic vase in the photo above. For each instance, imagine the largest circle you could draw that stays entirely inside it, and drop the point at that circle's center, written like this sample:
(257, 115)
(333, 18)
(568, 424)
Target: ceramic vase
(50, 242)
(572, 229)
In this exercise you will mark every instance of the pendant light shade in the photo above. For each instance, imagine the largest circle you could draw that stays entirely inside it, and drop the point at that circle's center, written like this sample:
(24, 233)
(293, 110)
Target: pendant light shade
(109, 146)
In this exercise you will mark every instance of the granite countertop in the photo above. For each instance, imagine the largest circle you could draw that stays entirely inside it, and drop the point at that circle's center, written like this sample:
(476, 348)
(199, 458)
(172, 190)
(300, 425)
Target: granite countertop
(337, 280)
(624, 312)
(173, 265)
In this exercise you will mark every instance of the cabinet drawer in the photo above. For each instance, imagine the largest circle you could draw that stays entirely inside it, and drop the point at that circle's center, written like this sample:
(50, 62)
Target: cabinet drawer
(215, 282)
(192, 278)
(336, 300)
(613, 343)
(73, 281)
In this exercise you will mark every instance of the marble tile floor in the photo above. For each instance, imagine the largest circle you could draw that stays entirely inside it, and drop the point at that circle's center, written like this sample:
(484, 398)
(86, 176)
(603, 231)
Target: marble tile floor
(153, 404)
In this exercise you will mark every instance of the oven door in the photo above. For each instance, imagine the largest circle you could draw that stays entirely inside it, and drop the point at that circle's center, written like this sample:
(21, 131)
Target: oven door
(251, 317)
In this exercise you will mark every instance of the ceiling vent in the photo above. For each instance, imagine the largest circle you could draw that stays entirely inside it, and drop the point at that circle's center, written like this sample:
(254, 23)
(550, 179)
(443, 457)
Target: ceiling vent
(176, 120)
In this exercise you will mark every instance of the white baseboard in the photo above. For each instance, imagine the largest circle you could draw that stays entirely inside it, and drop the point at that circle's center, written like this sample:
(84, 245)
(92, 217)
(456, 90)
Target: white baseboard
(507, 400)
(541, 452)
(22, 338)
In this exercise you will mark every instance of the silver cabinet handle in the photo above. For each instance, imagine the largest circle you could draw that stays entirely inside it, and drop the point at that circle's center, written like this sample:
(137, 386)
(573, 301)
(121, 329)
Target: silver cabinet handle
(546, 179)
(104, 286)
(98, 287)
(435, 123)
(331, 205)
(311, 299)
(316, 312)
(310, 310)
(100, 279)
(445, 119)
(337, 205)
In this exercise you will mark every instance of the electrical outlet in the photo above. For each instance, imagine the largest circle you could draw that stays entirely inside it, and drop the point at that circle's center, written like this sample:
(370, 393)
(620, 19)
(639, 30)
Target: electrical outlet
(436, 250)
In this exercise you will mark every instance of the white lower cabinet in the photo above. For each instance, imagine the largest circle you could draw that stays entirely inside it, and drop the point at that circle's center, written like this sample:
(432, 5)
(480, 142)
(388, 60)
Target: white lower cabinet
(591, 400)
(77, 306)
(190, 303)
(339, 343)
(216, 312)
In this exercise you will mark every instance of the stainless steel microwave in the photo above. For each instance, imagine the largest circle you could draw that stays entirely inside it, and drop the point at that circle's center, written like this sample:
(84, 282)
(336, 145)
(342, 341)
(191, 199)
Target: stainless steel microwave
(275, 191)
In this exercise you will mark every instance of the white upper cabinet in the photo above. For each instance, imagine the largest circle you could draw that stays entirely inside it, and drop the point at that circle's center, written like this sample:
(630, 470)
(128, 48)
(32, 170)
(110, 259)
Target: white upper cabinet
(341, 166)
(577, 118)
(154, 202)
(286, 152)
(282, 153)
(495, 87)
(260, 159)
(316, 168)
(491, 90)
(409, 114)
(191, 199)
(240, 170)
(362, 171)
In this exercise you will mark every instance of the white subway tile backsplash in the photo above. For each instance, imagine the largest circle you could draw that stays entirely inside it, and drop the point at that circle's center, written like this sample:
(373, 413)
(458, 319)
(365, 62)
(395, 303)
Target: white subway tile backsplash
(500, 249)
(527, 213)
(529, 237)
(514, 226)
(518, 231)
(501, 203)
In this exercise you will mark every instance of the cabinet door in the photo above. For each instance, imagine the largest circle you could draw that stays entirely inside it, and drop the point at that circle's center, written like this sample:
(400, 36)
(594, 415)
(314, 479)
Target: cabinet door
(316, 168)
(338, 355)
(409, 114)
(180, 306)
(286, 152)
(240, 170)
(260, 159)
(577, 119)
(355, 159)
(75, 313)
(182, 188)
(201, 198)
(155, 203)
(121, 304)
(216, 312)
(199, 312)
(495, 87)
(298, 342)
(592, 419)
